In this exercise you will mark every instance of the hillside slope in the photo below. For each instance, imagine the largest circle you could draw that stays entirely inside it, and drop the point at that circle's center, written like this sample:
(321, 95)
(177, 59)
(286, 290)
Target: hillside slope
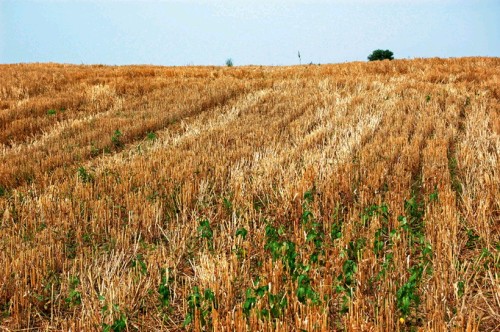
(361, 196)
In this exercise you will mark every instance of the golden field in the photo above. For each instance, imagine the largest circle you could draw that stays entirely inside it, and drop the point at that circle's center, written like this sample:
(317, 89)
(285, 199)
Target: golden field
(349, 197)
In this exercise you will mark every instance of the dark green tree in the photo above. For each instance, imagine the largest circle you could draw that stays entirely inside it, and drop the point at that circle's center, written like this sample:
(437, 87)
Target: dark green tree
(381, 55)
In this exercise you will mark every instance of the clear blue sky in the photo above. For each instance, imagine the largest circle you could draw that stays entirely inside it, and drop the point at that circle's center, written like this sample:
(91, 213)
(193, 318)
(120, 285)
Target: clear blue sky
(263, 32)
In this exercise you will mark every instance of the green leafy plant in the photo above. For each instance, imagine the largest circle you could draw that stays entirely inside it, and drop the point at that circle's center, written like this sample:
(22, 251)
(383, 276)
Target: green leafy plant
(289, 256)
(313, 230)
(116, 139)
(250, 301)
(372, 211)
(412, 226)
(305, 290)
(74, 296)
(139, 263)
(242, 232)
(229, 62)
(239, 250)
(488, 259)
(251, 297)
(386, 265)
(84, 175)
(407, 295)
(346, 279)
(151, 136)
(415, 213)
(338, 220)
(273, 242)
(51, 112)
(379, 243)
(94, 151)
(434, 196)
(70, 244)
(164, 288)
(472, 238)
(355, 248)
(206, 233)
(5, 310)
(460, 288)
(336, 232)
(202, 303)
(315, 234)
(309, 196)
(228, 205)
(281, 248)
(119, 324)
(382, 234)
(277, 305)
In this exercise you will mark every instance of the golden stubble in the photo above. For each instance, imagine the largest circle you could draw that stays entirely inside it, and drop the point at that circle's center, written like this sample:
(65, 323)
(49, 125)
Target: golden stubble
(123, 213)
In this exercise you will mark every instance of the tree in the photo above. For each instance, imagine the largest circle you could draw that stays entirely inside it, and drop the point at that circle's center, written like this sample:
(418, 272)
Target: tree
(229, 62)
(381, 55)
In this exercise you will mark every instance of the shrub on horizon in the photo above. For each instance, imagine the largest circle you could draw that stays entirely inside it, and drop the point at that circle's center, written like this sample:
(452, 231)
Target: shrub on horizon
(381, 55)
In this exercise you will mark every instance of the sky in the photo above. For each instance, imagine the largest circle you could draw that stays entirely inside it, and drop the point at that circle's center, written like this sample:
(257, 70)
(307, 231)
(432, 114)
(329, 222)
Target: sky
(259, 32)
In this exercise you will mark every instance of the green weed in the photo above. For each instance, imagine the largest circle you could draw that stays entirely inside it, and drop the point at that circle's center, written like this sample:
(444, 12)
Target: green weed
(277, 305)
(206, 233)
(203, 303)
(119, 324)
(240, 251)
(151, 136)
(228, 205)
(281, 249)
(338, 220)
(70, 244)
(74, 297)
(251, 297)
(413, 227)
(460, 288)
(346, 280)
(139, 263)
(407, 295)
(242, 232)
(305, 290)
(116, 139)
(164, 288)
(84, 175)
(434, 196)
(472, 239)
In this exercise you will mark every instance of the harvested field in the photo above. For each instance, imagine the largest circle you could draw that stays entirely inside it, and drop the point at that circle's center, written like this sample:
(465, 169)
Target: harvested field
(358, 197)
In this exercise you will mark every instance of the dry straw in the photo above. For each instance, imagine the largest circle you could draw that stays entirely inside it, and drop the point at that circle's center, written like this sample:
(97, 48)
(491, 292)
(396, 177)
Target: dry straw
(360, 196)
